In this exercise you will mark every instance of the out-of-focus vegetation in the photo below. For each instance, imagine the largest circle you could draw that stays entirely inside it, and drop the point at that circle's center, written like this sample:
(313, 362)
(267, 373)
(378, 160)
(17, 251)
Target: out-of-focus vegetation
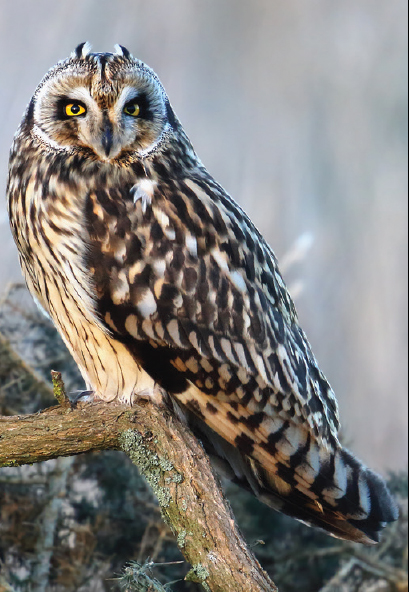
(91, 524)
(299, 109)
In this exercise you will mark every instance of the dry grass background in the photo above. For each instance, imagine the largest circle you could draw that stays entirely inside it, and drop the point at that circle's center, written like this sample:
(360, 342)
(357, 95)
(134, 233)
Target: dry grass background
(299, 109)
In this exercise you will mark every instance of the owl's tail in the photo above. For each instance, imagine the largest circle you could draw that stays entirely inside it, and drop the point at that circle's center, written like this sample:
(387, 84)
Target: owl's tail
(329, 490)
(343, 497)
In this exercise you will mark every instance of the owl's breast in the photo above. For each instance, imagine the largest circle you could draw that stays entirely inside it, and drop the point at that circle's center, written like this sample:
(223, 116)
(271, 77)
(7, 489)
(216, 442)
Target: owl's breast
(55, 247)
(119, 230)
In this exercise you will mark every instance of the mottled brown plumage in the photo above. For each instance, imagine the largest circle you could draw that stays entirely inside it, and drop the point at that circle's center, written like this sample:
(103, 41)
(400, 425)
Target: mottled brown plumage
(153, 274)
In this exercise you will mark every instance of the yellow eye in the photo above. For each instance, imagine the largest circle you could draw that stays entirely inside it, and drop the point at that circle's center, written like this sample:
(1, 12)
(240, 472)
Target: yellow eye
(132, 109)
(74, 109)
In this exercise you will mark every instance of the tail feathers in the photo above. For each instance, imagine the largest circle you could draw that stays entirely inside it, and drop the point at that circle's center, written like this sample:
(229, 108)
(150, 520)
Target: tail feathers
(345, 498)
(329, 490)
(358, 512)
(381, 507)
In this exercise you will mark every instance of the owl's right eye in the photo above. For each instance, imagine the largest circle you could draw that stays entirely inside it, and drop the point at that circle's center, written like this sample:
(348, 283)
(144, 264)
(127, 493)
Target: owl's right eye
(132, 108)
(74, 109)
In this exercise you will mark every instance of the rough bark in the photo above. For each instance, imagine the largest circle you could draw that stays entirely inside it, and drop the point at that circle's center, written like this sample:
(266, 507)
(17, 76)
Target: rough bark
(172, 461)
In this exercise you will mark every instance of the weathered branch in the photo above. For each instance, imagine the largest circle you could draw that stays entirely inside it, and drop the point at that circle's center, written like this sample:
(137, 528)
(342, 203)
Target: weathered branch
(172, 461)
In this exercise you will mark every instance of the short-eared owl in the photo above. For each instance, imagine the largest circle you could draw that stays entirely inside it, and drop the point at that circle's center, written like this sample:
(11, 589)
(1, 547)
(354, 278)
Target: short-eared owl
(154, 275)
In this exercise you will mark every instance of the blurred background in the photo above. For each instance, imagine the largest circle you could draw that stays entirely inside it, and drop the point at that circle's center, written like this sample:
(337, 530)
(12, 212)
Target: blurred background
(299, 109)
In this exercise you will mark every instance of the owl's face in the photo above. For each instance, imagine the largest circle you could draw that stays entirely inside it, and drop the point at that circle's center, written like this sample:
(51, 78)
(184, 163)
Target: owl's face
(106, 105)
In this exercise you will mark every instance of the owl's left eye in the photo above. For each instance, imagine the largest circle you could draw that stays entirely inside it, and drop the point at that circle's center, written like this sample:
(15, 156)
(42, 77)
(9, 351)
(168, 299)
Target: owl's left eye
(74, 109)
(132, 108)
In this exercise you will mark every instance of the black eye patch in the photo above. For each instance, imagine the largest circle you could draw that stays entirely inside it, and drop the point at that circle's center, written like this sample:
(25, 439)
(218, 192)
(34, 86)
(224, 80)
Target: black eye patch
(145, 112)
(67, 108)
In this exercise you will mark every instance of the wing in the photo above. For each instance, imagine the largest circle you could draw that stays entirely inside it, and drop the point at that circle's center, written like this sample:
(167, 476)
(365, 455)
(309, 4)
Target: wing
(186, 280)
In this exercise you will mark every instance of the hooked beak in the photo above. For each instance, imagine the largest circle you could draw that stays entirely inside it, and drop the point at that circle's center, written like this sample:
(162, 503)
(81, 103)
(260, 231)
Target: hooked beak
(107, 136)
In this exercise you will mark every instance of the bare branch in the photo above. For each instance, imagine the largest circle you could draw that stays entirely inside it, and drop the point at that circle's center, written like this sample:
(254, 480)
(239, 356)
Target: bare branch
(174, 464)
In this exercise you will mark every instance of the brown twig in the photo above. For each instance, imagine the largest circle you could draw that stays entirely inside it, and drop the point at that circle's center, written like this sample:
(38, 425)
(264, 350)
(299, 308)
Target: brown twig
(174, 464)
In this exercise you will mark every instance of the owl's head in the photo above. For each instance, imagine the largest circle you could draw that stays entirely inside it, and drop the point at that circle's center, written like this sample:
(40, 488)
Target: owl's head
(107, 105)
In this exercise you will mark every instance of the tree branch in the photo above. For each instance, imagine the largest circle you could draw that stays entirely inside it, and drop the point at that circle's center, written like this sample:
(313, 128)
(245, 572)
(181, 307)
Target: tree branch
(172, 461)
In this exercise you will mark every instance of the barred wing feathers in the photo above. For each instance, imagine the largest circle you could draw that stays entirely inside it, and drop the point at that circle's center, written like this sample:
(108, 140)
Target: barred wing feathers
(187, 282)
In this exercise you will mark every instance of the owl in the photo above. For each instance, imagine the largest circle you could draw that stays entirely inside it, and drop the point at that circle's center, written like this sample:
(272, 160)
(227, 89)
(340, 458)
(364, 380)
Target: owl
(153, 275)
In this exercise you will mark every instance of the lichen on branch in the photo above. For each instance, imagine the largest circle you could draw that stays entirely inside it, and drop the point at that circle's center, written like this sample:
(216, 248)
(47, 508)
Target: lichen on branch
(171, 460)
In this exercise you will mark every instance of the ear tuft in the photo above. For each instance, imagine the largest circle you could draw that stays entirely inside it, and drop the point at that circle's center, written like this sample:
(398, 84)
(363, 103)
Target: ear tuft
(122, 51)
(82, 50)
